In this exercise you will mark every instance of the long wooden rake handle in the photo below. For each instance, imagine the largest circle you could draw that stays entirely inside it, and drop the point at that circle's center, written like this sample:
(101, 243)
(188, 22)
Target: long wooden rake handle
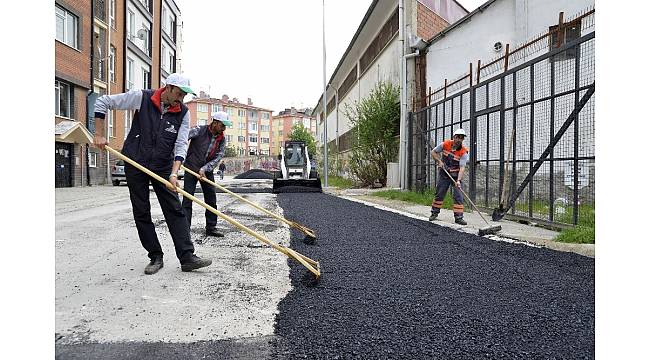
(307, 231)
(311, 265)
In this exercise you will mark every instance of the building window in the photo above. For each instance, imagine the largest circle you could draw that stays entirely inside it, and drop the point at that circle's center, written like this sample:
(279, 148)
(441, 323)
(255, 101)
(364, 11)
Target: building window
(63, 99)
(252, 126)
(202, 107)
(568, 33)
(241, 139)
(128, 118)
(264, 152)
(172, 62)
(265, 140)
(252, 114)
(146, 78)
(229, 138)
(252, 139)
(111, 64)
(92, 159)
(216, 107)
(265, 128)
(229, 111)
(242, 126)
(112, 14)
(164, 57)
(111, 115)
(265, 116)
(252, 150)
(67, 27)
(201, 122)
(241, 113)
(390, 28)
(280, 132)
(130, 25)
(163, 17)
(129, 74)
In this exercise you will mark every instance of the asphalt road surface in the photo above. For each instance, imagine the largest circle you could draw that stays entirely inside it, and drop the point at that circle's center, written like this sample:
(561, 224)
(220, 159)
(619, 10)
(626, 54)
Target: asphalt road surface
(391, 287)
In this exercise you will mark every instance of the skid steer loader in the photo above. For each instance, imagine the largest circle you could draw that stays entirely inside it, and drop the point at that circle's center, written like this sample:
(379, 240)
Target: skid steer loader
(296, 173)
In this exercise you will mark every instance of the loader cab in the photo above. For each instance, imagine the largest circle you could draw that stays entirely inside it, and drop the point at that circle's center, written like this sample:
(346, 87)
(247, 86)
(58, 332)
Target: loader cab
(294, 154)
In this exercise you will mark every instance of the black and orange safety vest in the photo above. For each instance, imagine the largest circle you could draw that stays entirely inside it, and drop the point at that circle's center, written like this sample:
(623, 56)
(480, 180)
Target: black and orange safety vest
(451, 158)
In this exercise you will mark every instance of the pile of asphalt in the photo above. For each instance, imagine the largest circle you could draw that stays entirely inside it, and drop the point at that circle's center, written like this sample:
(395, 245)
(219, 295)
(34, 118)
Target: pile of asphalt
(396, 287)
(255, 174)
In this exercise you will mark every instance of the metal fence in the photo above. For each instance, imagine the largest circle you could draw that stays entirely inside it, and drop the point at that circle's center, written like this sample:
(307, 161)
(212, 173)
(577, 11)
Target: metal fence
(531, 136)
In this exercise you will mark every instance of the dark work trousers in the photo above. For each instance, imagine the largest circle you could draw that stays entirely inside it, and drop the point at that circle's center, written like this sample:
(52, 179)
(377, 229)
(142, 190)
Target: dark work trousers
(138, 183)
(444, 182)
(209, 196)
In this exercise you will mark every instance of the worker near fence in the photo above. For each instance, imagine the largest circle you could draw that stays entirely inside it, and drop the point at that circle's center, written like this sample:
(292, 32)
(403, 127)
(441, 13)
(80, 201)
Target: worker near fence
(453, 156)
(207, 148)
(158, 141)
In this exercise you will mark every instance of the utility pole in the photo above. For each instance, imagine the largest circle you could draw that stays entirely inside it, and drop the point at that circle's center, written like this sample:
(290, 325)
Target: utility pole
(325, 168)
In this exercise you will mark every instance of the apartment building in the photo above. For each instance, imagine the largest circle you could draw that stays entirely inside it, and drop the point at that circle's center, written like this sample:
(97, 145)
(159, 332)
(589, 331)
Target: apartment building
(284, 122)
(72, 82)
(107, 47)
(250, 134)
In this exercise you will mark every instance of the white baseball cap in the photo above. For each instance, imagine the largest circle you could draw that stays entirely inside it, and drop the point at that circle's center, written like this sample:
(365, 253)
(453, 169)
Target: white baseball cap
(181, 81)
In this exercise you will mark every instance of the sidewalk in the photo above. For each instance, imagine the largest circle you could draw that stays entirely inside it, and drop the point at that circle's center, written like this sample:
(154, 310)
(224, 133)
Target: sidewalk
(511, 231)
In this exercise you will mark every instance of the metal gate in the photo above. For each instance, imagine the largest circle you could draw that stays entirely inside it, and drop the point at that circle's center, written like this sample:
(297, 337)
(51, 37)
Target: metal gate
(531, 136)
(63, 164)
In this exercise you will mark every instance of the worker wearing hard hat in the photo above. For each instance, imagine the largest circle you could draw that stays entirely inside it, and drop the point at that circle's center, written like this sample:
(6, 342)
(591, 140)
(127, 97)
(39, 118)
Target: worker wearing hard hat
(207, 148)
(453, 156)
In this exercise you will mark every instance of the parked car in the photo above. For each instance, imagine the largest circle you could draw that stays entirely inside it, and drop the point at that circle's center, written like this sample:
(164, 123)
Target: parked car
(117, 173)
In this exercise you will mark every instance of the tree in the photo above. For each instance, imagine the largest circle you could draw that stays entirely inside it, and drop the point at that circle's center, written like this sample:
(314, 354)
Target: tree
(300, 133)
(230, 151)
(375, 122)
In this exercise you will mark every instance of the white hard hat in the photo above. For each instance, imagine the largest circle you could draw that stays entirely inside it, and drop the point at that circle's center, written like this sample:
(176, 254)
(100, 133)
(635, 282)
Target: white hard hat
(221, 116)
(460, 131)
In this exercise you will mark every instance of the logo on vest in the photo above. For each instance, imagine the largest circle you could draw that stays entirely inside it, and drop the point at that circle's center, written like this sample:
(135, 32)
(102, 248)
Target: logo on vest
(171, 129)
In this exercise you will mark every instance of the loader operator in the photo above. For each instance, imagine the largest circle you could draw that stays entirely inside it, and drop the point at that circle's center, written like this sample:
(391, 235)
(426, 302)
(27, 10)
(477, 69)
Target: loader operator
(158, 141)
(454, 158)
(207, 148)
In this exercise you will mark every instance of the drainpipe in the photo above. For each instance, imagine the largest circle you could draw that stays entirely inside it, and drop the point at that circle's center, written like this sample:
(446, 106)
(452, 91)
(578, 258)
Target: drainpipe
(92, 83)
(403, 113)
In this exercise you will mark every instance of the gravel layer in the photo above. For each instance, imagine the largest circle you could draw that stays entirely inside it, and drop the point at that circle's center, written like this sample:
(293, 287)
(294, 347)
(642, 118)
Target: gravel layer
(396, 287)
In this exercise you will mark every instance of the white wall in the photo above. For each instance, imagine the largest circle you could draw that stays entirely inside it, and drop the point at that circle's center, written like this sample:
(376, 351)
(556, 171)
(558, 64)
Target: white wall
(506, 21)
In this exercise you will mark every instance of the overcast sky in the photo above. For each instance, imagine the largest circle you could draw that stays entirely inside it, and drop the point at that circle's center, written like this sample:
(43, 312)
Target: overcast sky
(270, 51)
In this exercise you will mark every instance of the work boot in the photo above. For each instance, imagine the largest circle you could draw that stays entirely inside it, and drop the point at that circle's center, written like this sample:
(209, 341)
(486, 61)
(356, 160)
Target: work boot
(155, 265)
(194, 263)
(433, 217)
(460, 221)
(213, 232)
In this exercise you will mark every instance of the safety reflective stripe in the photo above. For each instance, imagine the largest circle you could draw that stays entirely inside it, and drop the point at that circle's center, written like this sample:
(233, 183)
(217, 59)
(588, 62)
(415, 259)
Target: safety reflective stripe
(437, 204)
(459, 208)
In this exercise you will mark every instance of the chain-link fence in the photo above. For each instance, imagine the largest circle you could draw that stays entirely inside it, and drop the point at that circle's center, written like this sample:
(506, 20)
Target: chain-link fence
(531, 133)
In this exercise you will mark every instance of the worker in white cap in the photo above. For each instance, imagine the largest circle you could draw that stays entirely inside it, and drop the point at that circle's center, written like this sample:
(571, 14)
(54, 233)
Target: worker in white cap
(453, 156)
(158, 141)
(207, 148)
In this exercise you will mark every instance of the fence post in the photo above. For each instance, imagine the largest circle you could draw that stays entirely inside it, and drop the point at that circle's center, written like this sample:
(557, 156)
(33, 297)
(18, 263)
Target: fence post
(505, 65)
(445, 92)
(472, 135)
(478, 72)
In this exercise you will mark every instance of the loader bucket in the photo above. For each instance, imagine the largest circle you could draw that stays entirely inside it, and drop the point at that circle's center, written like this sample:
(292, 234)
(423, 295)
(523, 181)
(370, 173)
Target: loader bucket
(296, 185)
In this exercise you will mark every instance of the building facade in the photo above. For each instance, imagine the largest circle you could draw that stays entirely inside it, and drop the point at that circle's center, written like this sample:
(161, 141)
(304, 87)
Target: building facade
(251, 132)
(119, 45)
(284, 122)
(375, 54)
(72, 82)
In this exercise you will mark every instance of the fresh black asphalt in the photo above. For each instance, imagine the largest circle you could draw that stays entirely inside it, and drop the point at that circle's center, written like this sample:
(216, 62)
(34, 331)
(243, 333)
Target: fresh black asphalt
(393, 287)
(396, 287)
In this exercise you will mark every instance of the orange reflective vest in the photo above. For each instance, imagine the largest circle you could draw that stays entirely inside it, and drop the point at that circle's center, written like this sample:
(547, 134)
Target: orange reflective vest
(451, 158)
